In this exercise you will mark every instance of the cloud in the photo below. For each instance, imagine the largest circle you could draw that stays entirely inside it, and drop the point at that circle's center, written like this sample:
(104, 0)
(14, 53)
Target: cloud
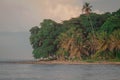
(63, 11)
(58, 9)
(21, 15)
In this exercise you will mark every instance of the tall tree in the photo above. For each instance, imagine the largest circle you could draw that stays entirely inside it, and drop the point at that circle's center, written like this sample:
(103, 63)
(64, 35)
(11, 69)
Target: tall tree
(87, 8)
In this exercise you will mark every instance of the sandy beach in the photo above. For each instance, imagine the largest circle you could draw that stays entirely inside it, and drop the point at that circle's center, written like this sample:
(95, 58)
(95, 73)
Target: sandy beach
(63, 62)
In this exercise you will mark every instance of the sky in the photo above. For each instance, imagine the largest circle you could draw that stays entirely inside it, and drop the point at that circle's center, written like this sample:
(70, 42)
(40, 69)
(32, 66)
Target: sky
(15, 46)
(21, 15)
(18, 16)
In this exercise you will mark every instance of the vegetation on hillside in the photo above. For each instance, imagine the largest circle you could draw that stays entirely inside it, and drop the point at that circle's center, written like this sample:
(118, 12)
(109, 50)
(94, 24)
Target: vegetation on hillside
(89, 36)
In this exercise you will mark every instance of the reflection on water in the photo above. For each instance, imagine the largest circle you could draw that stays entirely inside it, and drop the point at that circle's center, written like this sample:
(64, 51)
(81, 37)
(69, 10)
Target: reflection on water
(59, 72)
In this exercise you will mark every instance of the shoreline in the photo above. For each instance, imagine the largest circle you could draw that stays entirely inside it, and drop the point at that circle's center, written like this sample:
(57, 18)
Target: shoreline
(62, 62)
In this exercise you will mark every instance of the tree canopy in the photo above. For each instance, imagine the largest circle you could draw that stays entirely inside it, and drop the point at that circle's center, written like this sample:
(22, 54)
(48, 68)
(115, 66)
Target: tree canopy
(73, 39)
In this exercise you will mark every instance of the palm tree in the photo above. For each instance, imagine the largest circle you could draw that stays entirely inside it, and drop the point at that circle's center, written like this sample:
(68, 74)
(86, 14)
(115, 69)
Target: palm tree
(87, 8)
(107, 45)
(71, 42)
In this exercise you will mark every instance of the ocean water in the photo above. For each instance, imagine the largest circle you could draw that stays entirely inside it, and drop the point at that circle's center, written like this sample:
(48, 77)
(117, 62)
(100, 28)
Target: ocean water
(58, 72)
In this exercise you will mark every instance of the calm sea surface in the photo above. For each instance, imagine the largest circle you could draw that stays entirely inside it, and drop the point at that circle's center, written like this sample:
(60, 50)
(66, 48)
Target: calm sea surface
(58, 72)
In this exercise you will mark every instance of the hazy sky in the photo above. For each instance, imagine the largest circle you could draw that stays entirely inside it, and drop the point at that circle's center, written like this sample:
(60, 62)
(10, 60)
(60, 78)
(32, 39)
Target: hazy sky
(15, 46)
(18, 16)
(21, 15)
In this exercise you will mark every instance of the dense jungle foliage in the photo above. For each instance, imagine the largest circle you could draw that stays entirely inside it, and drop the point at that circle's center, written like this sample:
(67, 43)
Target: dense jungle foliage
(89, 36)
